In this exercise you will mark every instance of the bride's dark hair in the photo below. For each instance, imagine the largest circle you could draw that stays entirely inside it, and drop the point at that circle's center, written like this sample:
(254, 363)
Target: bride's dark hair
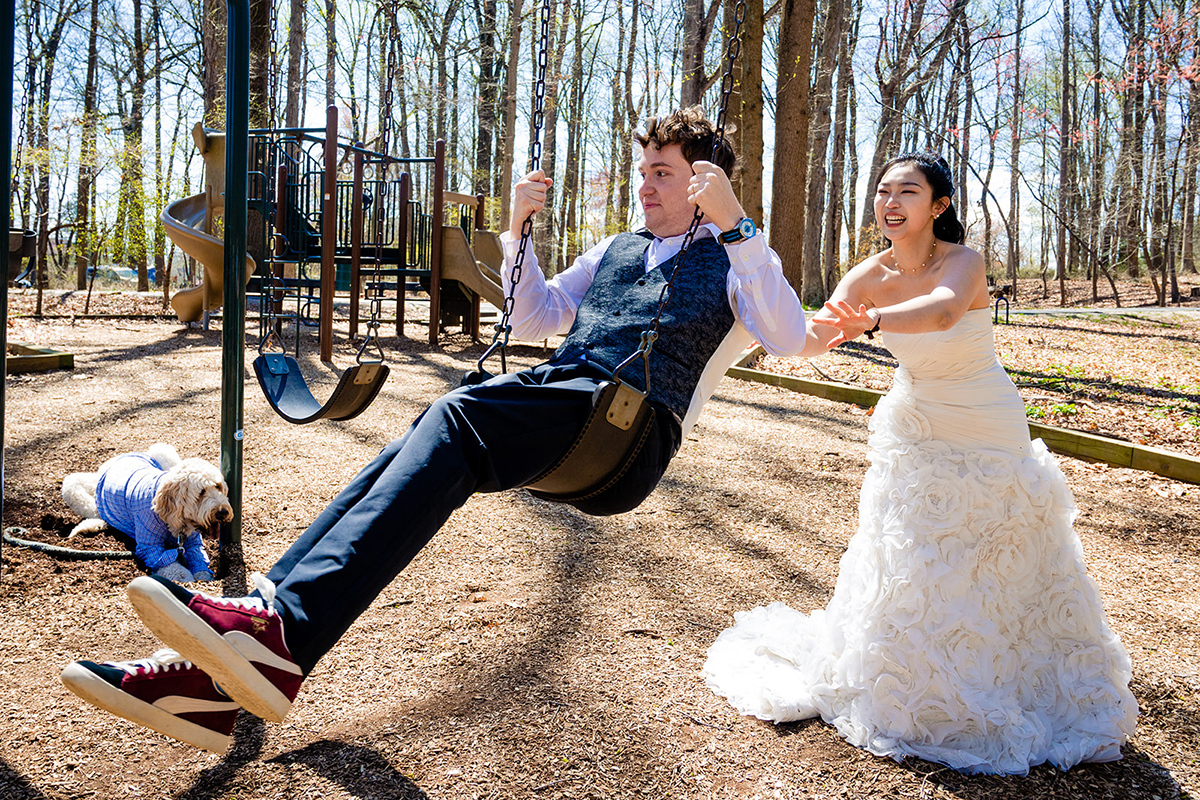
(937, 172)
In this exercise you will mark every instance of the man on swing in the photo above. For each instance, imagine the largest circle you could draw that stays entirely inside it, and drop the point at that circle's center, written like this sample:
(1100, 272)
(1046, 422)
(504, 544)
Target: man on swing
(499, 434)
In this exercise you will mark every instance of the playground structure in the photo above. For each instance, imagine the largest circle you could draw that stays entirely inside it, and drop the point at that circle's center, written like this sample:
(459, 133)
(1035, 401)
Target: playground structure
(313, 231)
(231, 258)
(190, 223)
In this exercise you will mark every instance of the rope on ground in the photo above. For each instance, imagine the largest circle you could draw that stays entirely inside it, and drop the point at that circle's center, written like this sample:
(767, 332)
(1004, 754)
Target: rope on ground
(63, 552)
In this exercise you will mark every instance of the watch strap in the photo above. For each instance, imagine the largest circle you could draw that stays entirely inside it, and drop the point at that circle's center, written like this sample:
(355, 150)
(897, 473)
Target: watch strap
(744, 230)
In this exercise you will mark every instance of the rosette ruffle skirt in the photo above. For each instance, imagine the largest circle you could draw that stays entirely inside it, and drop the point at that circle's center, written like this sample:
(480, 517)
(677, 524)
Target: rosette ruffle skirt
(963, 628)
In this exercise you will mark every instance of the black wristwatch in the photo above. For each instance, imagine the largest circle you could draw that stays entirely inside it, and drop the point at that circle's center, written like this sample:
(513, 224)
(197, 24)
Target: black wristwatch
(740, 233)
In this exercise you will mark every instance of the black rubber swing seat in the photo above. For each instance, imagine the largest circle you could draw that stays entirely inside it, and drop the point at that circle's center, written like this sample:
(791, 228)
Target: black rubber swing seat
(605, 449)
(285, 389)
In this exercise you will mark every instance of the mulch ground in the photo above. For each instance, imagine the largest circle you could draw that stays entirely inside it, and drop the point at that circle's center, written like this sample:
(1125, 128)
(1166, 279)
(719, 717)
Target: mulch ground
(534, 652)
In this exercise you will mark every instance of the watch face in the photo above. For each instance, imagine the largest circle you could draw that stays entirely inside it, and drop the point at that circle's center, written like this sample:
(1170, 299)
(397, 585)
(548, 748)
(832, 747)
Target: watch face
(746, 227)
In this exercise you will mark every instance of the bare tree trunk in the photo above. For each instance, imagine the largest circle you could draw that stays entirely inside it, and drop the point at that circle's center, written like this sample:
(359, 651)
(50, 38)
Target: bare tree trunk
(1125, 210)
(164, 272)
(485, 19)
(453, 142)
(964, 149)
(1014, 195)
(1157, 240)
(441, 55)
(160, 234)
(132, 174)
(330, 52)
(1044, 262)
(623, 194)
(1137, 58)
(296, 31)
(41, 138)
(750, 123)
(837, 204)
(697, 28)
(261, 14)
(510, 115)
(818, 146)
(989, 258)
(1064, 156)
(400, 88)
(1191, 134)
(213, 70)
(1097, 178)
(853, 226)
(545, 233)
(618, 140)
(85, 237)
(571, 238)
(788, 201)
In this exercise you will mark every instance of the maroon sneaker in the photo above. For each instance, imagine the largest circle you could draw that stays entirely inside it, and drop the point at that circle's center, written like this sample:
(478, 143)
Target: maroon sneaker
(163, 692)
(237, 640)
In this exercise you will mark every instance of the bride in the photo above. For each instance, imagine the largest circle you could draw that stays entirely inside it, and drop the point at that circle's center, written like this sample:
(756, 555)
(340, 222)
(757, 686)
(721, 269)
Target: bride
(963, 628)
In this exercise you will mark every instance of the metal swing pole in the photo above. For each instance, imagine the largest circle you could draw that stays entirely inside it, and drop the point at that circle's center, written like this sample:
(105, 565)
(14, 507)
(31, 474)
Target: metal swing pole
(233, 328)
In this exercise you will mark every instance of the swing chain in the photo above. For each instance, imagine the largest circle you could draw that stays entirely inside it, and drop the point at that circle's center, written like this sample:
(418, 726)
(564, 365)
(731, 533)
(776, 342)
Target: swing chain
(377, 207)
(270, 290)
(273, 69)
(503, 328)
(651, 334)
(19, 150)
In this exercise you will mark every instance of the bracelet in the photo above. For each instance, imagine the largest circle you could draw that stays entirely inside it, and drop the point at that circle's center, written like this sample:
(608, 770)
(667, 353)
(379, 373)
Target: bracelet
(871, 333)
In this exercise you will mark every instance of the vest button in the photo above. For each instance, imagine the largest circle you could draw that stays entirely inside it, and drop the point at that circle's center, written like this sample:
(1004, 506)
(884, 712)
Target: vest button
(617, 313)
(642, 282)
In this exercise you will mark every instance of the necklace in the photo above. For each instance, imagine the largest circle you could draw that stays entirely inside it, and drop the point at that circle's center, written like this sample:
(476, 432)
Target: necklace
(918, 269)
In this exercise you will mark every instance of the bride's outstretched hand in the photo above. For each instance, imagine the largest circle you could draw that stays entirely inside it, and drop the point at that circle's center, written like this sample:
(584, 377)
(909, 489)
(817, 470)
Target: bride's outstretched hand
(850, 323)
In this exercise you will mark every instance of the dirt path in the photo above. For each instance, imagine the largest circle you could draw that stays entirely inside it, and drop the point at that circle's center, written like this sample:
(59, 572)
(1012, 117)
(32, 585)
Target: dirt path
(529, 651)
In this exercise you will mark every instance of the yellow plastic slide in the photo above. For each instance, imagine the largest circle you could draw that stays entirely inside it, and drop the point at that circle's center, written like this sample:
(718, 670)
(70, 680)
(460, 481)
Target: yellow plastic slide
(184, 221)
(189, 224)
(459, 264)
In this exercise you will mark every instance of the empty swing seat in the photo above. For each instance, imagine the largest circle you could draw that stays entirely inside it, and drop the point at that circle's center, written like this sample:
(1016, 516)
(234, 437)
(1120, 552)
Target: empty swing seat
(285, 389)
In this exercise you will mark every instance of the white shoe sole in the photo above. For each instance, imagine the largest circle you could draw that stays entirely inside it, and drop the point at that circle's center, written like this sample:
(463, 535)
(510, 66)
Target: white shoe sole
(102, 694)
(183, 631)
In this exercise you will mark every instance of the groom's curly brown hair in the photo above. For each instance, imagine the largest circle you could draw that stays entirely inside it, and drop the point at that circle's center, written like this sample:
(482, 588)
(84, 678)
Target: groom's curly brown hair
(694, 133)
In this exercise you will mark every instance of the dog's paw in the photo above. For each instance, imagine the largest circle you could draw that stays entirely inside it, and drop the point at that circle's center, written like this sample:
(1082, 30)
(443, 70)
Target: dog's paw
(203, 575)
(89, 527)
(175, 572)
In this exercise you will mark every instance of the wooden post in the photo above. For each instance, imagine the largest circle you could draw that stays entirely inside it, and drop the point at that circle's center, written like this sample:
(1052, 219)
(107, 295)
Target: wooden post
(480, 224)
(402, 236)
(435, 244)
(328, 235)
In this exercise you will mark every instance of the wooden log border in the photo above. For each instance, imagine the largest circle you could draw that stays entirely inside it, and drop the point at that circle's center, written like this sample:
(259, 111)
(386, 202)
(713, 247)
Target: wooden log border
(27, 358)
(1064, 441)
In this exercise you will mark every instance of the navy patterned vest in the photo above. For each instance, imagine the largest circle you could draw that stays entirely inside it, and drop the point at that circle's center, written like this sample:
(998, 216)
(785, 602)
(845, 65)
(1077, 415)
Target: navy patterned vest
(622, 301)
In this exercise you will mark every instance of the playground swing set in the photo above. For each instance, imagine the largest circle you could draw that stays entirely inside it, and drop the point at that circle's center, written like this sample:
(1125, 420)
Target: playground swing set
(621, 417)
(316, 231)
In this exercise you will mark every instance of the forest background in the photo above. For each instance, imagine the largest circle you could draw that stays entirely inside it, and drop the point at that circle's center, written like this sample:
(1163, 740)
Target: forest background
(1073, 128)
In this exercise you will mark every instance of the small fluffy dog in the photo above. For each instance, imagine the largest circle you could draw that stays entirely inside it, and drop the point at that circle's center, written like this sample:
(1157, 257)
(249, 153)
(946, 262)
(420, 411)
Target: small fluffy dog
(161, 500)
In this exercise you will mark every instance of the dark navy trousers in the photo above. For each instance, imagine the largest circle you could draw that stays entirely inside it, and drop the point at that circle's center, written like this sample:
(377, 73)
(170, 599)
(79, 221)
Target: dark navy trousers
(496, 435)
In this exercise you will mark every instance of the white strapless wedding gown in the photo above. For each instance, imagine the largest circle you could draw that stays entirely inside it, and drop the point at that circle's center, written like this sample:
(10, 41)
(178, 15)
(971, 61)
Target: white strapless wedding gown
(963, 628)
